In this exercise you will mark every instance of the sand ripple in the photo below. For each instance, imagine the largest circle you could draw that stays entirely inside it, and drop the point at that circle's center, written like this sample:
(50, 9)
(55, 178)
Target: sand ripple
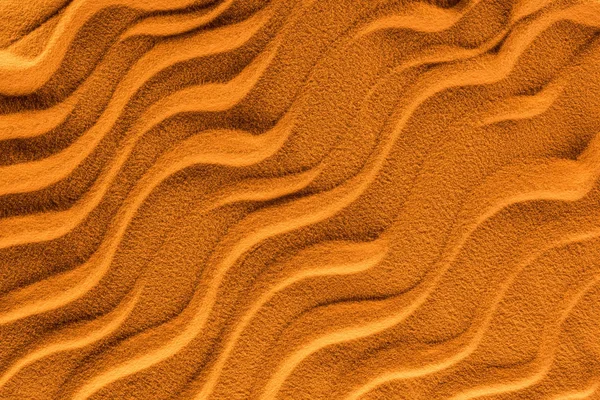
(300, 199)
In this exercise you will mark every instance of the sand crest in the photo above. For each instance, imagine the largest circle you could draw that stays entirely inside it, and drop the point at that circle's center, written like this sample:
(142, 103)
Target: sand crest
(299, 199)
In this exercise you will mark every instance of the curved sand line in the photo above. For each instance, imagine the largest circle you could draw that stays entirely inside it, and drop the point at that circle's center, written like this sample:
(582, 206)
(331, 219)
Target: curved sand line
(176, 24)
(359, 262)
(543, 364)
(20, 76)
(36, 175)
(477, 329)
(422, 17)
(362, 161)
(33, 299)
(219, 147)
(529, 106)
(77, 338)
(558, 180)
(567, 193)
(37, 122)
(334, 200)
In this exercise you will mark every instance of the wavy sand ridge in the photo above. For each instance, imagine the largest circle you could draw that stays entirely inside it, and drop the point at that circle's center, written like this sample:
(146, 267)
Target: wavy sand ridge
(300, 199)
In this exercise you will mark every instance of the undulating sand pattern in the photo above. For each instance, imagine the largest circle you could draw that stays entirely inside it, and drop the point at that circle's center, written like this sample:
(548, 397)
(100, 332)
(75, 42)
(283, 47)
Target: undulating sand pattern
(299, 199)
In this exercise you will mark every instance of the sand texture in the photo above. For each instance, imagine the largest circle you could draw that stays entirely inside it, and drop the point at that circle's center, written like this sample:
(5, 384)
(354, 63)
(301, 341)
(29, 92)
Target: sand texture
(299, 199)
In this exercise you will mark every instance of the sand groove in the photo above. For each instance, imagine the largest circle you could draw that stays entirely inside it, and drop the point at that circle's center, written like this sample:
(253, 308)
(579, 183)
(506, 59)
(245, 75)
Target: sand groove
(300, 199)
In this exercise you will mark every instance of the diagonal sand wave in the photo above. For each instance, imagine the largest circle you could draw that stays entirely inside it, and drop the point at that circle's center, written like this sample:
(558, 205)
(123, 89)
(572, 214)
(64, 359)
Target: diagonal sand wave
(469, 341)
(78, 338)
(164, 55)
(34, 299)
(202, 315)
(351, 191)
(176, 24)
(421, 17)
(38, 174)
(384, 200)
(21, 76)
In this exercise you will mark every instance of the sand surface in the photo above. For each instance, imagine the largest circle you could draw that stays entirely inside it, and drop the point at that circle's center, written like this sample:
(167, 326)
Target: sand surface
(299, 199)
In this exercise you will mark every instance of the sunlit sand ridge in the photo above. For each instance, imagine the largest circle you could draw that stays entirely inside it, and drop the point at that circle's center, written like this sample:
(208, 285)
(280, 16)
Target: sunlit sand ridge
(300, 199)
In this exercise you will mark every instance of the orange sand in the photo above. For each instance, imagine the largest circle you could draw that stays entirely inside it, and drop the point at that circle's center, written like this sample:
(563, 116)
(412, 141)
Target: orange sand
(299, 199)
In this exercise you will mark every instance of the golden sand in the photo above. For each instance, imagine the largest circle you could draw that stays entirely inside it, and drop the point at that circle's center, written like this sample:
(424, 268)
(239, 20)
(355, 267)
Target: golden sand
(299, 199)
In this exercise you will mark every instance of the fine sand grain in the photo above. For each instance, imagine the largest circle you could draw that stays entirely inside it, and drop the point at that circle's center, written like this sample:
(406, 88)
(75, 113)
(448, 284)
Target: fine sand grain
(299, 199)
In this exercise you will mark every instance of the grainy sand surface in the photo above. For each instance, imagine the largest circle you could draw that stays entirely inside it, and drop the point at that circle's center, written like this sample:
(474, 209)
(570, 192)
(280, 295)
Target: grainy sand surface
(299, 199)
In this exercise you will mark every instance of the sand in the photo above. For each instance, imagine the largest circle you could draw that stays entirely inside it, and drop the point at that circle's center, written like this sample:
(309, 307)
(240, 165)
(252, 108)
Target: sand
(299, 199)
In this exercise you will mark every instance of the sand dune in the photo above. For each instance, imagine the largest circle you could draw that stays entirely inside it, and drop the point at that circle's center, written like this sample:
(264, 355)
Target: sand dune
(300, 199)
